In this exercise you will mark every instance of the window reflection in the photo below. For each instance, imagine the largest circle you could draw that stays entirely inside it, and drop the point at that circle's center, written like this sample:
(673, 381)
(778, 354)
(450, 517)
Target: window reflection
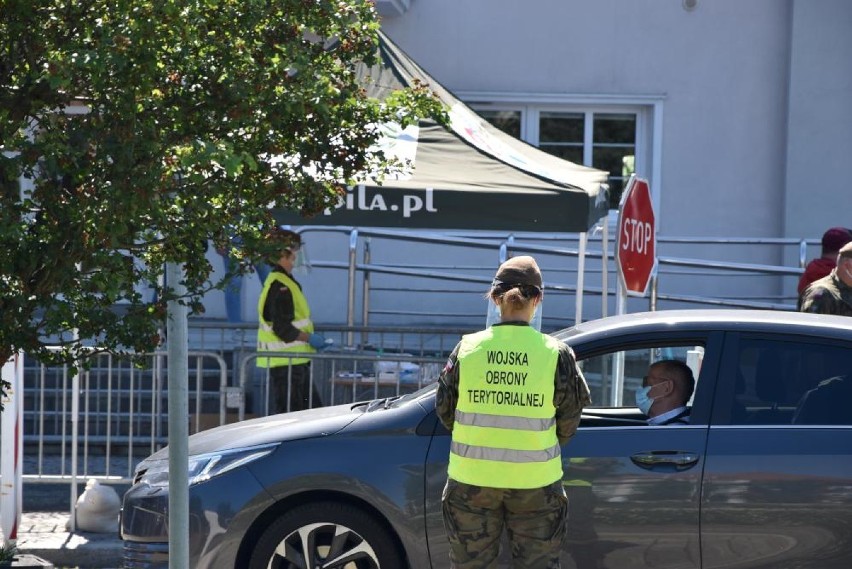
(614, 149)
(507, 121)
(566, 134)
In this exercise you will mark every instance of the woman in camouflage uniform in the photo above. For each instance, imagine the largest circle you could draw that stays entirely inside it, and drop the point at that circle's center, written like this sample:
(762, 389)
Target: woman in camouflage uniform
(512, 397)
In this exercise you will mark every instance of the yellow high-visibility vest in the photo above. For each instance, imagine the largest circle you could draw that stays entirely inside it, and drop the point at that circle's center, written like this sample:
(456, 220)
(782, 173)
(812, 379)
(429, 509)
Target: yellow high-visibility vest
(267, 341)
(504, 435)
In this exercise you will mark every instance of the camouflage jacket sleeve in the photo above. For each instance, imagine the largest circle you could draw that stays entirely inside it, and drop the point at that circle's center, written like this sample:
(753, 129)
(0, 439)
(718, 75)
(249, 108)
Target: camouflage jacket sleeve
(570, 396)
(818, 300)
(448, 390)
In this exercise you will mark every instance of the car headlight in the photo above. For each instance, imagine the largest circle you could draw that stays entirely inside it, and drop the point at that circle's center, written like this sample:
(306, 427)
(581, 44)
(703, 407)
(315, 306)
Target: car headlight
(202, 467)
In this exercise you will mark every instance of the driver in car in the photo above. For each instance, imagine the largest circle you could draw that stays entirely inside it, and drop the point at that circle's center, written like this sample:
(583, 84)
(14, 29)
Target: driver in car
(665, 392)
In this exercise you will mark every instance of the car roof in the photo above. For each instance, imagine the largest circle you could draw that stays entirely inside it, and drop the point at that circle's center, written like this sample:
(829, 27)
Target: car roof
(712, 319)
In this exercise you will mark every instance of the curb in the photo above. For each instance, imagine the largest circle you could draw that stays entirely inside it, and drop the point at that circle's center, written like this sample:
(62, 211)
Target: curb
(43, 534)
(82, 556)
(28, 561)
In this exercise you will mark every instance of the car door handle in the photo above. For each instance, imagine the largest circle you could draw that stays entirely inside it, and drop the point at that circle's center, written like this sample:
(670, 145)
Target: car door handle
(681, 460)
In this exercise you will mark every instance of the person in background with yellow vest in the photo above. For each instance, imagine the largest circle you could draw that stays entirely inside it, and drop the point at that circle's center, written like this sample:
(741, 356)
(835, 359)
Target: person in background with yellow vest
(511, 396)
(285, 326)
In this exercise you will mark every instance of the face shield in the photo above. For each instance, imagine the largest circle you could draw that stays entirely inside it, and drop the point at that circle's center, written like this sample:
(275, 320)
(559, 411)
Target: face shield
(493, 316)
(845, 266)
(302, 264)
(536, 319)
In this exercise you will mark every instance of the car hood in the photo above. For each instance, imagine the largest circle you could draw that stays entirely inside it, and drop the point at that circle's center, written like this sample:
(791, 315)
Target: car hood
(319, 422)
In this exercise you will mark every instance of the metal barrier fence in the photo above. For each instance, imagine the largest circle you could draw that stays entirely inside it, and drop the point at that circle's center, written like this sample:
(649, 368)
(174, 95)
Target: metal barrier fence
(732, 272)
(341, 377)
(100, 422)
(235, 337)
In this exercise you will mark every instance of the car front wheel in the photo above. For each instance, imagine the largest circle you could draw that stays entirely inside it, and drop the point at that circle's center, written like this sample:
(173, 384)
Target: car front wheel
(327, 535)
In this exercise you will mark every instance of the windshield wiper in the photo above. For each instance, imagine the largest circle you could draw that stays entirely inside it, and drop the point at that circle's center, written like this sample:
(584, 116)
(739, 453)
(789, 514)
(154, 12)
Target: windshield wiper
(390, 400)
(374, 404)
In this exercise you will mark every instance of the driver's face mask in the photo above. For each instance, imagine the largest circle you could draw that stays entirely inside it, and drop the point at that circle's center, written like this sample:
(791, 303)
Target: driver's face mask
(643, 400)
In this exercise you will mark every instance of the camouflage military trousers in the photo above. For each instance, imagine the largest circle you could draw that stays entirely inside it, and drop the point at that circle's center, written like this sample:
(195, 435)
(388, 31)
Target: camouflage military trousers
(475, 518)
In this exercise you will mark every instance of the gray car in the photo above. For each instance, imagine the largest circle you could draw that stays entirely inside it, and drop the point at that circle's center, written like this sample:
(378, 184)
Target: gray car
(761, 477)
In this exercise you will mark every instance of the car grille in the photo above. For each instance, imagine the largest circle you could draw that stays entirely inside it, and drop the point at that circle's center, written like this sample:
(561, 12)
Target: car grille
(145, 555)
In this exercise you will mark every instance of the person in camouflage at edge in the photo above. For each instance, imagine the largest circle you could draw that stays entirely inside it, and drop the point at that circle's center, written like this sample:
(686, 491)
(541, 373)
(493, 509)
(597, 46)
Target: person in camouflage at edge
(511, 396)
(832, 294)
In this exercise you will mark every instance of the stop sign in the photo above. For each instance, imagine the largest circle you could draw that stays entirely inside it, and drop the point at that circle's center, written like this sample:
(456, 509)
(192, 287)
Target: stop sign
(637, 240)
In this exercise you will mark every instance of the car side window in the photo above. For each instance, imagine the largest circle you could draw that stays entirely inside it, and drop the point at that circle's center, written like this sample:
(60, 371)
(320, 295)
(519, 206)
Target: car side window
(792, 383)
(614, 377)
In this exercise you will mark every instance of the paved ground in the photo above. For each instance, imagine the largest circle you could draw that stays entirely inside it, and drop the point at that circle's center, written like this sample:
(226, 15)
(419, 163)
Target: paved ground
(44, 535)
(46, 508)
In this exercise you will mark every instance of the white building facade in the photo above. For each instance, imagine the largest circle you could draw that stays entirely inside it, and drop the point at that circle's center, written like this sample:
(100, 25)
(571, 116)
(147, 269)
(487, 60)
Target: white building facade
(737, 112)
(741, 109)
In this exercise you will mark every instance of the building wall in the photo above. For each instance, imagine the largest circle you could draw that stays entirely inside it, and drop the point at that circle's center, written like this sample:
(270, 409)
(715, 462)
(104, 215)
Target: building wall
(721, 71)
(820, 118)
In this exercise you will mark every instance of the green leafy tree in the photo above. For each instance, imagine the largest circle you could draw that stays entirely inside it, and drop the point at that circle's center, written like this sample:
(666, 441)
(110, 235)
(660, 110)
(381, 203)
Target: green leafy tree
(135, 132)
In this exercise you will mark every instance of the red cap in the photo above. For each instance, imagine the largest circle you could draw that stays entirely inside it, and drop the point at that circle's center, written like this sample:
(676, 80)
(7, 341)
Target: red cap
(835, 238)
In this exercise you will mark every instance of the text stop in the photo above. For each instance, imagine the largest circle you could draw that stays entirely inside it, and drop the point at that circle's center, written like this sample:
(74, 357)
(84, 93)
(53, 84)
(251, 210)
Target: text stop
(636, 235)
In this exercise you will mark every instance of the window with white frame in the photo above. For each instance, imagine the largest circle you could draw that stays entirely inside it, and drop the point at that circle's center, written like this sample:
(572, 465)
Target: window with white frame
(607, 139)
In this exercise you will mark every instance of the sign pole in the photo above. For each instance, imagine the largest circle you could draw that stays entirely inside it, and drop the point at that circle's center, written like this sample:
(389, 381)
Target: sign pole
(581, 274)
(636, 257)
(178, 382)
(618, 359)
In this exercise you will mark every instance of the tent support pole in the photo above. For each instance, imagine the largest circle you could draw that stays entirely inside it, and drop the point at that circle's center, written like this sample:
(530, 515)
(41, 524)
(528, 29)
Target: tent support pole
(604, 269)
(581, 268)
(365, 295)
(350, 309)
